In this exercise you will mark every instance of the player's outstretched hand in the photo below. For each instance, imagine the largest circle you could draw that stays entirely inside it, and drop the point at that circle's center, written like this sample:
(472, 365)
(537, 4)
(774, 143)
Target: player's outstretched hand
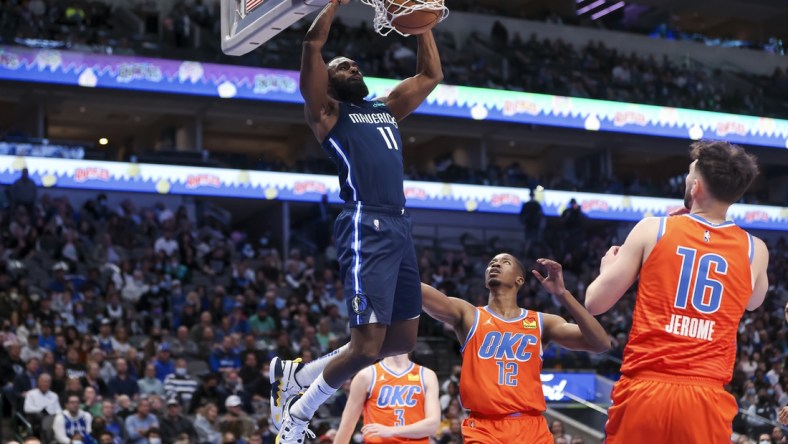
(339, 2)
(382, 431)
(784, 416)
(554, 281)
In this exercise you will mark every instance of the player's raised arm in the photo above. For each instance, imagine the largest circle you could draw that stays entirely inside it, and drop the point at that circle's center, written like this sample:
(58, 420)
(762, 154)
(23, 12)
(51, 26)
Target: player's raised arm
(620, 268)
(314, 72)
(588, 334)
(760, 262)
(409, 93)
(452, 311)
(420, 429)
(359, 387)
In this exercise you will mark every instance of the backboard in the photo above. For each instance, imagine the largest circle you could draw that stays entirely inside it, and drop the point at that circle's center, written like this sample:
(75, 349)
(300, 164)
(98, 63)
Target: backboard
(247, 24)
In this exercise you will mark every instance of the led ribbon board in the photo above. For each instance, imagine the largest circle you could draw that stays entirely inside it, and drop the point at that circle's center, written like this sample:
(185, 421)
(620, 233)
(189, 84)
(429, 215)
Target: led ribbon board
(201, 181)
(212, 80)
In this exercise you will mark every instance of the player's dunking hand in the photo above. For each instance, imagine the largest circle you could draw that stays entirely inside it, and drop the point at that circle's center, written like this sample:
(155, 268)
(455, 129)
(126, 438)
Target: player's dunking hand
(378, 430)
(554, 281)
(339, 2)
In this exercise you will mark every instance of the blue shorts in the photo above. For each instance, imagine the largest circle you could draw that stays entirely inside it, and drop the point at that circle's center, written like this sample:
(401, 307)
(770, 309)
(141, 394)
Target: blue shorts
(377, 262)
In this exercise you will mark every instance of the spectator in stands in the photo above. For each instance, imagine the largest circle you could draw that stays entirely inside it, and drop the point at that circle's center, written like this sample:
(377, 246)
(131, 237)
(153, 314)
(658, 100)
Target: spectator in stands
(557, 429)
(207, 425)
(572, 220)
(236, 420)
(112, 423)
(153, 436)
(533, 220)
(72, 422)
(40, 401)
(207, 392)
(196, 332)
(260, 387)
(180, 384)
(23, 192)
(150, 385)
(26, 381)
(123, 383)
(93, 379)
(73, 387)
(32, 348)
(139, 424)
(74, 368)
(250, 370)
(91, 402)
(104, 337)
(182, 346)
(166, 244)
(174, 424)
(224, 358)
(163, 363)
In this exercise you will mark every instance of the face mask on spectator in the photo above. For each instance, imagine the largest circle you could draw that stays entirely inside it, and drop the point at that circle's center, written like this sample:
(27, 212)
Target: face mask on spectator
(181, 371)
(750, 391)
(764, 441)
(770, 392)
(154, 441)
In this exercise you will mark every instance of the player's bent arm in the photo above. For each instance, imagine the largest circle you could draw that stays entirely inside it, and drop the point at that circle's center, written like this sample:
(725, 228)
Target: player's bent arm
(359, 387)
(411, 92)
(313, 80)
(432, 411)
(455, 312)
(617, 276)
(587, 335)
(760, 263)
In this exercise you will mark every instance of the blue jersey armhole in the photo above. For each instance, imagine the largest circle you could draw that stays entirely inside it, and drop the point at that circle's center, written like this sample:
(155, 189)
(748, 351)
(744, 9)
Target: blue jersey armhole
(661, 228)
(752, 246)
(471, 331)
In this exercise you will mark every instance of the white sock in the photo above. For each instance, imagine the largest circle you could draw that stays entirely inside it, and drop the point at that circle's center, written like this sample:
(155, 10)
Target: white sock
(307, 375)
(313, 398)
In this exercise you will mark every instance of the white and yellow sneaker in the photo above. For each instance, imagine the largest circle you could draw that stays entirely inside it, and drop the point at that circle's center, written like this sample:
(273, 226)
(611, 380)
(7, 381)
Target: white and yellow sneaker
(294, 430)
(283, 387)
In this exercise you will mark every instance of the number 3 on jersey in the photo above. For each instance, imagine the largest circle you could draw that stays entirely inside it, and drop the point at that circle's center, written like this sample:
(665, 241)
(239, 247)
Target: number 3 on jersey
(696, 277)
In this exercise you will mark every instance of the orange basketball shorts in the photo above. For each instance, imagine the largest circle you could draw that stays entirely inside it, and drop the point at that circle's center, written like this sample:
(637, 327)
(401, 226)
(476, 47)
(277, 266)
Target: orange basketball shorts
(664, 410)
(531, 429)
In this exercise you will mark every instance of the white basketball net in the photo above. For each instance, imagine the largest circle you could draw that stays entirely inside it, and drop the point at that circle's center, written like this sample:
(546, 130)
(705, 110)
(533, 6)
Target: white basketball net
(383, 19)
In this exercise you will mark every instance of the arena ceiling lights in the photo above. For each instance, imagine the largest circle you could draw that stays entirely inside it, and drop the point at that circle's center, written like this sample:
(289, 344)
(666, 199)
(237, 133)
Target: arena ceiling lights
(597, 9)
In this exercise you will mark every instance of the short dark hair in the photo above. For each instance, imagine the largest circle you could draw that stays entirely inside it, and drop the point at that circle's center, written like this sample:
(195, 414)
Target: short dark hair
(726, 168)
(517, 262)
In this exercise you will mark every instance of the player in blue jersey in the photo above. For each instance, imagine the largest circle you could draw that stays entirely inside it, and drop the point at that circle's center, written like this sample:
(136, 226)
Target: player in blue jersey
(375, 249)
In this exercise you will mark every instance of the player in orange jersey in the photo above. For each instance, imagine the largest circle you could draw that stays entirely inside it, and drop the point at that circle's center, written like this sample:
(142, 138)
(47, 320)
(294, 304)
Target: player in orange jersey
(502, 351)
(399, 400)
(698, 273)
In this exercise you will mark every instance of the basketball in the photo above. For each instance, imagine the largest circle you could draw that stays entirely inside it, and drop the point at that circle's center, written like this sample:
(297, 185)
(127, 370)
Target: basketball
(415, 23)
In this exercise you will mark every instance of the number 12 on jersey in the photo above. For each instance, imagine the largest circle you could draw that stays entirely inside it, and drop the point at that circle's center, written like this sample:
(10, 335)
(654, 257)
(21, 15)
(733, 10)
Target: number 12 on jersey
(696, 277)
(507, 373)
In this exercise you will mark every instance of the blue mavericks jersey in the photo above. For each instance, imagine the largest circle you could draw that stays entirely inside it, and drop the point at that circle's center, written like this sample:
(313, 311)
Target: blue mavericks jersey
(366, 147)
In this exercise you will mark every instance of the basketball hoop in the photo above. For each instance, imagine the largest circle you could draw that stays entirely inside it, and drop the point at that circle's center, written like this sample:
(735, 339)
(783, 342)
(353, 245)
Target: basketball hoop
(387, 11)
